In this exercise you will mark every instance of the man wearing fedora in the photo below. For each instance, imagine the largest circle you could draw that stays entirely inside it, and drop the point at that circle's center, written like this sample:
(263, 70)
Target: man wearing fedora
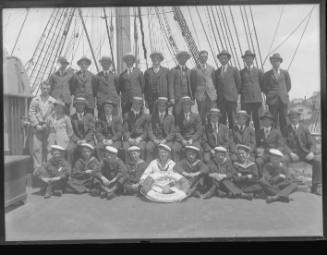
(60, 83)
(215, 134)
(82, 83)
(277, 84)
(202, 84)
(180, 82)
(156, 81)
(109, 129)
(105, 85)
(83, 125)
(130, 84)
(161, 128)
(301, 147)
(251, 88)
(228, 85)
(188, 128)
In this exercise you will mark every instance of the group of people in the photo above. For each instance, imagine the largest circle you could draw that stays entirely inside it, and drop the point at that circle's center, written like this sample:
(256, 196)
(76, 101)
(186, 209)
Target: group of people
(216, 149)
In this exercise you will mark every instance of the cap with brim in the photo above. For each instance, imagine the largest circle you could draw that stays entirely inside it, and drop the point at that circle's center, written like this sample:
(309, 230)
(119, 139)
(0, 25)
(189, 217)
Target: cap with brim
(87, 145)
(111, 149)
(214, 111)
(57, 147)
(276, 152)
(242, 113)
(224, 52)
(267, 115)
(138, 98)
(183, 54)
(192, 147)
(248, 53)
(81, 100)
(276, 56)
(164, 146)
(128, 55)
(220, 149)
(59, 102)
(105, 59)
(243, 147)
(294, 113)
(157, 53)
(84, 59)
(203, 51)
(186, 99)
(108, 102)
(63, 60)
(165, 99)
(134, 148)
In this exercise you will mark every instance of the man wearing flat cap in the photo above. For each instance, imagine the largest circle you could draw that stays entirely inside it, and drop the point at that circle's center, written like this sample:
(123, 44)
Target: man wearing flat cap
(301, 147)
(228, 86)
(109, 129)
(277, 84)
(251, 88)
(105, 85)
(60, 83)
(161, 128)
(156, 81)
(130, 83)
(180, 82)
(82, 83)
(202, 84)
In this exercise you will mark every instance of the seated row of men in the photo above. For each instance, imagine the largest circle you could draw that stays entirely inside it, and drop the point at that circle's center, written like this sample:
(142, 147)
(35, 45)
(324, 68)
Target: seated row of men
(147, 132)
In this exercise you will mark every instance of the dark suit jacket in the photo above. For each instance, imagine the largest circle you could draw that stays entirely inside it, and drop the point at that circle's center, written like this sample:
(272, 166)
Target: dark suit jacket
(244, 170)
(275, 89)
(106, 89)
(274, 140)
(113, 169)
(247, 137)
(83, 130)
(114, 131)
(156, 85)
(299, 141)
(176, 88)
(251, 85)
(130, 85)
(271, 173)
(211, 140)
(228, 85)
(225, 167)
(135, 126)
(60, 85)
(164, 130)
(189, 129)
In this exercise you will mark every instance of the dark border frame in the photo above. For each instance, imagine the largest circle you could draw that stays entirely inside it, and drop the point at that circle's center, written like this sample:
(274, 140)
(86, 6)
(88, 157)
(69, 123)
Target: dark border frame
(97, 3)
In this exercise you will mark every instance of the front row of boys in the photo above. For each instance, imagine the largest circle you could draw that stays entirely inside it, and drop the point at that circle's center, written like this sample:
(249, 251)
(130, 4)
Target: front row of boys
(220, 177)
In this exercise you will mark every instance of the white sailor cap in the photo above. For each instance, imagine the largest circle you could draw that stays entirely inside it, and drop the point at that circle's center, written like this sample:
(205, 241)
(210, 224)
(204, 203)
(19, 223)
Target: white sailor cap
(186, 99)
(138, 98)
(111, 149)
(276, 152)
(134, 148)
(57, 147)
(214, 110)
(193, 147)
(243, 147)
(164, 146)
(220, 149)
(162, 99)
(87, 145)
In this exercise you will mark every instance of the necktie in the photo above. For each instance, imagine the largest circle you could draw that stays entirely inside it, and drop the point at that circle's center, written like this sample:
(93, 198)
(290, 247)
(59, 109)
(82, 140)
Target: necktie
(84, 75)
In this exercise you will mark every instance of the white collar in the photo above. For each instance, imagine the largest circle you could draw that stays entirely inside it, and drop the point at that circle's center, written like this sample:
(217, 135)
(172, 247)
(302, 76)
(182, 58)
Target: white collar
(156, 68)
(135, 112)
(276, 71)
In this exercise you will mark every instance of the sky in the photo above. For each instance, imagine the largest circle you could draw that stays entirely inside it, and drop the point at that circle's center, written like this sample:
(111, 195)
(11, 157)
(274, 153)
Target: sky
(304, 71)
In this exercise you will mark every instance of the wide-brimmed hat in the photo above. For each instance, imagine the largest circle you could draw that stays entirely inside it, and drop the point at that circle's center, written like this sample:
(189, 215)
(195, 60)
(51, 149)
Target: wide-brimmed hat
(84, 59)
(224, 52)
(111, 149)
(157, 53)
(267, 115)
(242, 113)
(59, 102)
(57, 147)
(183, 54)
(108, 101)
(293, 112)
(276, 152)
(133, 148)
(164, 147)
(220, 149)
(248, 53)
(243, 147)
(129, 55)
(276, 56)
(87, 145)
(80, 99)
(63, 60)
(105, 59)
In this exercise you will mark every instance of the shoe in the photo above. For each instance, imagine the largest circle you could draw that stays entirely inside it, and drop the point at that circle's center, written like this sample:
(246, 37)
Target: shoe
(284, 199)
(94, 192)
(103, 194)
(247, 196)
(221, 194)
(271, 199)
(48, 192)
(110, 195)
(58, 193)
(47, 195)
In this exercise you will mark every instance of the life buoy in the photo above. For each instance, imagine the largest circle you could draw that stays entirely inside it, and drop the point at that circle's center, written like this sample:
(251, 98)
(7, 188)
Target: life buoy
(165, 187)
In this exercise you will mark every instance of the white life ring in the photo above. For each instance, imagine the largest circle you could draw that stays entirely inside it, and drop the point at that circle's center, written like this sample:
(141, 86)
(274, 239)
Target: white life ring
(167, 187)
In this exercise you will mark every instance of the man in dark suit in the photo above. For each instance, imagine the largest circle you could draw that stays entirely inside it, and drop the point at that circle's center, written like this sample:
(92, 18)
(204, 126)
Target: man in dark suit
(135, 127)
(301, 146)
(215, 134)
(202, 83)
(106, 86)
(82, 83)
(277, 84)
(161, 128)
(251, 88)
(83, 125)
(156, 81)
(179, 81)
(109, 129)
(228, 84)
(188, 128)
(131, 83)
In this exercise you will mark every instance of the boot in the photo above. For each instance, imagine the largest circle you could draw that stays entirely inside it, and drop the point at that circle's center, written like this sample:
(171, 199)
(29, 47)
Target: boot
(271, 199)
(48, 191)
(247, 196)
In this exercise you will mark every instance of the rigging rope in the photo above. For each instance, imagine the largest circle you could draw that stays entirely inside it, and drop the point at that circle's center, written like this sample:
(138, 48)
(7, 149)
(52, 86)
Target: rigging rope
(256, 37)
(244, 26)
(217, 30)
(109, 39)
(193, 26)
(20, 31)
(143, 38)
(150, 30)
(212, 30)
(236, 32)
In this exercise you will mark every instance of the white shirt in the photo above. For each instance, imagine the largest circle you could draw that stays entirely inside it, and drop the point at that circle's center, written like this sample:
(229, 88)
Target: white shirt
(241, 127)
(276, 72)
(187, 116)
(135, 112)
(161, 115)
(156, 69)
(249, 68)
(106, 72)
(109, 118)
(215, 126)
(224, 68)
(156, 167)
(295, 127)
(204, 66)
(182, 67)
(267, 131)
(130, 69)
(80, 115)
